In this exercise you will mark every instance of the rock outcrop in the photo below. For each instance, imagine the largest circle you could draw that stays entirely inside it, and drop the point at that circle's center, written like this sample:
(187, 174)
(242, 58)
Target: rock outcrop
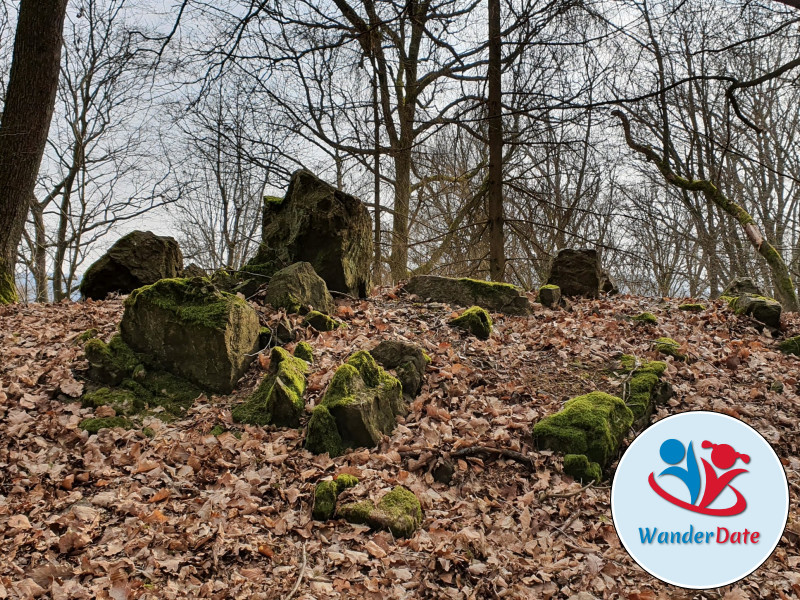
(358, 408)
(496, 297)
(135, 260)
(408, 361)
(297, 289)
(318, 224)
(194, 330)
(577, 272)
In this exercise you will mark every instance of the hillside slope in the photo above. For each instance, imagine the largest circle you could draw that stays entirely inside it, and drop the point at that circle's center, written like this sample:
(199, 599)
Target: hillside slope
(183, 513)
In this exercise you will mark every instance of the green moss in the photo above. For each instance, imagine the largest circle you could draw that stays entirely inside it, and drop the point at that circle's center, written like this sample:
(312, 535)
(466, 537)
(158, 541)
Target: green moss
(321, 321)
(273, 201)
(95, 425)
(304, 351)
(194, 301)
(669, 347)
(8, 289)
(579, 467)
(481, 287)
(692, 307)
(646, 317)
(776, 386)
(550, 286)
(357, 512)
(217, 430)
(122, 401)
(326, 494)
(790, 345)
(475, 320)
(369, 370)
(323, 435)
(593, 424)
(148, 432)
(278, 400)
(399, 511)
(86, 335)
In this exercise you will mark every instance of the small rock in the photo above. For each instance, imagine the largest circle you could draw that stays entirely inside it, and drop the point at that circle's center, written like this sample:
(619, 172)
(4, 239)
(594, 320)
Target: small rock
(408, 360)
(298, 287)
(399, 511)
(475, 320)
(550, 296)
(443, 471)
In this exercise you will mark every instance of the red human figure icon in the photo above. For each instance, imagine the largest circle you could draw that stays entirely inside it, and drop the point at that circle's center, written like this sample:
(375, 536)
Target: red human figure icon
(724, 457)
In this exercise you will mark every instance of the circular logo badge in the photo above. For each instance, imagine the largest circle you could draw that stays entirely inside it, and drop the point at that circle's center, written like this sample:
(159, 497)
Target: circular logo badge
(700, 500)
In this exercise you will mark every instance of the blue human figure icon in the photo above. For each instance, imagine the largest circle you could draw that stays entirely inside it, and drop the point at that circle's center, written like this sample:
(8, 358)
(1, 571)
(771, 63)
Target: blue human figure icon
(672, 453)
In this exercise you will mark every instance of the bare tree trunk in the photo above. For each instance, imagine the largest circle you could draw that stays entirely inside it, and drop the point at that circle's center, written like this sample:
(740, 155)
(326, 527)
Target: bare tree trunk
(30, 99)
(497, 259)
(377, 267)
(398, 261)
(39, 252)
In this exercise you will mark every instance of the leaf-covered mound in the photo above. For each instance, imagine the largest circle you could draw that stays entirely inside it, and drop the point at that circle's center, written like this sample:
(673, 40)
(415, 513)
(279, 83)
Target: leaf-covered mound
(170, 510)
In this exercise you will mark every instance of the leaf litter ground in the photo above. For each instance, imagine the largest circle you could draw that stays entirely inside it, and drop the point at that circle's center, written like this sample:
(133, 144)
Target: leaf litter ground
(177, 512)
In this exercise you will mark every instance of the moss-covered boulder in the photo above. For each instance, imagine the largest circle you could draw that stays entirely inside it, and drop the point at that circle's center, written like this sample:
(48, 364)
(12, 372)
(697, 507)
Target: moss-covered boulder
(790, 345)
(644, 389)
(193, 330)
(646, 318)
(669, 347)
(140, 258)
(304, 351)
(742, 285)
(593, 424)
(496, 297)
(408, 361)
(359, 407)
(762, 309)
(278, 400)
(326, 493)
(321, 322)
(192, 270)
(692, 307)
(581, 468)
(577, 272)
(399, 511)
(298, 287)
(319, 224)
(549, 295)
(476, 321)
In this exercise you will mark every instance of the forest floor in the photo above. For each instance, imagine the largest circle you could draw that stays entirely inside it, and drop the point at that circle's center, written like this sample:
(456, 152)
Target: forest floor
(187, 514)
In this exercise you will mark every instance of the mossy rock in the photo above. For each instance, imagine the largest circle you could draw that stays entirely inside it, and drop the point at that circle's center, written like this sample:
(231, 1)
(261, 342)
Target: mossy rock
(137, 259)
(644, 387)
(124, 402)
(304, 351)
(408, 361)
(647, 318)
(322, 225)
(593, 424)
(278, 400)
(497, 297)
(762, 309)
(669, 347)
(690, 307)
(577, 272)
(740, 286)
(326, 493)
(110, 363)
(579, 467)
(194, 330)
(298, 287)
(321, 321)
(399, 511)
(94, 425)
(476, 321)
(549, 295)
(359, 406)
(86, 336)
(790, 345)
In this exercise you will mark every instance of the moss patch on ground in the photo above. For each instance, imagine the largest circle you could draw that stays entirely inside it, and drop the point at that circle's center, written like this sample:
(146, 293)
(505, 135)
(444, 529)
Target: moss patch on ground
(321, 321)
(94, 425)
(593, 424)
(645, 317)
(326, 493)
(669, 347)
(278, 400)
(475, 320)
(689, 307)
(790, 345)
(642, 385)
(579, 467)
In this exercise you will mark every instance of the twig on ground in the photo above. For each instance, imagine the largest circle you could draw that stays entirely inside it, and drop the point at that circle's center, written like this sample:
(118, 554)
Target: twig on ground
(300, 575)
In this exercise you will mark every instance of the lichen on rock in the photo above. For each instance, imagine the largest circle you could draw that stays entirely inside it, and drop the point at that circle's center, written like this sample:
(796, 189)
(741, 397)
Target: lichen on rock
(399, 511)
(359, 406)
(278, 400)
(593, 424)
(476, 321)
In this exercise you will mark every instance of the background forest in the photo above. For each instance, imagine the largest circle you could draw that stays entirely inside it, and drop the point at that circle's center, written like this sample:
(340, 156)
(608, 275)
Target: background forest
(183, 116)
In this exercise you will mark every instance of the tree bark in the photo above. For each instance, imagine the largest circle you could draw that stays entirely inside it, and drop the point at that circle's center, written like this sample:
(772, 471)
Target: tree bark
(29, 104)
(497, 260)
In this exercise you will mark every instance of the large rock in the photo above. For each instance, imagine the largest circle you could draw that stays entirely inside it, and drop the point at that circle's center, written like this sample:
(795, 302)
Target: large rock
(578, 273)
(496, 297)
(298, 287)
(319, 224)
(358, 408)
(193, 330)
(399, 511)
(408, 360)
(140, 258)
(762, 309)
(742, 285)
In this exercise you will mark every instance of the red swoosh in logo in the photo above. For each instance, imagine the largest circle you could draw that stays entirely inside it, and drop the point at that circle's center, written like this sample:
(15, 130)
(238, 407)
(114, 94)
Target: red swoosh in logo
(737, 508)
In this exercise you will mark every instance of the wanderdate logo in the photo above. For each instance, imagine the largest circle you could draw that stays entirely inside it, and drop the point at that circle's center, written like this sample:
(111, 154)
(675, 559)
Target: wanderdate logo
(700, 500)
